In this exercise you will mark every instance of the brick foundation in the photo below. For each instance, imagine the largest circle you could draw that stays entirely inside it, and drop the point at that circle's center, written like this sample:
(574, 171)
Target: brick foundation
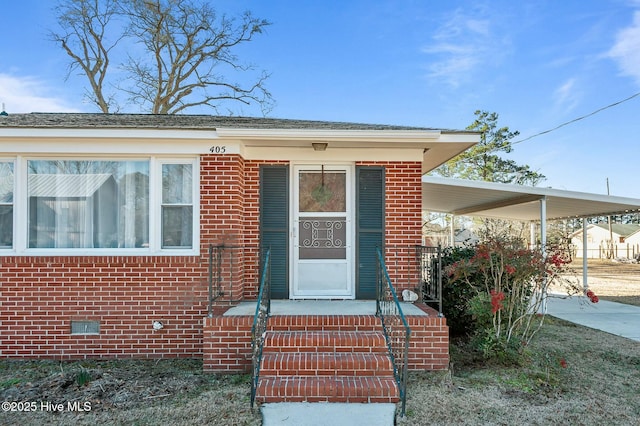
(429, 343)
(227, 344)
(42, 295)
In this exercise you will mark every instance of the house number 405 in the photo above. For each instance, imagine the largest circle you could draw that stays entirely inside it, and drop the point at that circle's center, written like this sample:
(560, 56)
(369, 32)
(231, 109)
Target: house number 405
(218, 149)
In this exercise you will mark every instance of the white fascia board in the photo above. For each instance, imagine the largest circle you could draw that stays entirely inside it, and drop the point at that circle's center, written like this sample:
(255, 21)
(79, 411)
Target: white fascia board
(114, 146)
(418, 136)
(531, 190)
(101, 133)
(331, 154)
(464, 137)
(105, 141)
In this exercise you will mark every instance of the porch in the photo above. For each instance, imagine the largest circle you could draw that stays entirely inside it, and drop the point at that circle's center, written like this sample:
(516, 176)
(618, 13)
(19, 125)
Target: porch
(356, 351)
(325, 308)
(325, 351)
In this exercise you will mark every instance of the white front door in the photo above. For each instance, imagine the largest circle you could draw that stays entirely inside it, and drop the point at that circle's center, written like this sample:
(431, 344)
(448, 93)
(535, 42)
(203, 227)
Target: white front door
(322, 235)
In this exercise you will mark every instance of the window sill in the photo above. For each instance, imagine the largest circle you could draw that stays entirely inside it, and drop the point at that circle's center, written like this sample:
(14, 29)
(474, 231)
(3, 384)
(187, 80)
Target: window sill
(99, 252)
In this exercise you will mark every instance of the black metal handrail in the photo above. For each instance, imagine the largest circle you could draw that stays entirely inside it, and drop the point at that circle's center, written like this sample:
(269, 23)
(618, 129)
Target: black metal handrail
(418, 268)
(259, 327)
(430, 261)
(394, 324)
(231, 267)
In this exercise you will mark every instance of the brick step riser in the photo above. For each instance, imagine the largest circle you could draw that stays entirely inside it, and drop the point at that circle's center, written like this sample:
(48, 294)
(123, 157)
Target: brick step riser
(338, 389)
(324, 349)
(324, 342)
(324, 323)
(311, 364)
(332, 399)
(343, 328)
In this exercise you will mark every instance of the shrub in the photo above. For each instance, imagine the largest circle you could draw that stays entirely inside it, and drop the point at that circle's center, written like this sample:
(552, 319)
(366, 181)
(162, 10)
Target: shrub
(456, 293)
(502, 287)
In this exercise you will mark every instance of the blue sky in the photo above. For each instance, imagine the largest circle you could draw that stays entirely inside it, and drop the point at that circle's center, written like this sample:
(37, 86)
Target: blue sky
(538, 64)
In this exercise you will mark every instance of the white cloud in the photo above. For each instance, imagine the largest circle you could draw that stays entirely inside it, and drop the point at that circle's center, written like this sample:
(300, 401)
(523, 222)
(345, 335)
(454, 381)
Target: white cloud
(626, 50)
(461, 45)
(28, 94)
(566, 96)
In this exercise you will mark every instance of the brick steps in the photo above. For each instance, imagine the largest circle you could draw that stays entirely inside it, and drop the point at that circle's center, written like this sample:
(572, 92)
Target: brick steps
(326, 359)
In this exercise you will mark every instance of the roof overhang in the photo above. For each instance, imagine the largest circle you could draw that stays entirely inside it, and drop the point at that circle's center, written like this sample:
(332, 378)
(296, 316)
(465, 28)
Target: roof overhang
(436, 146)
(432, 147)
(515, 202)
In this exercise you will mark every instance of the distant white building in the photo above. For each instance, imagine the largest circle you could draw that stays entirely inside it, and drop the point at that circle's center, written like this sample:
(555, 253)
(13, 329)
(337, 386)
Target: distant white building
(442, 236)
(626, 240)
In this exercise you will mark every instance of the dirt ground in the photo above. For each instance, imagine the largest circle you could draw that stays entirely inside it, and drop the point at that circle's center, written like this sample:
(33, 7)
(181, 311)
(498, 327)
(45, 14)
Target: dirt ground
(122, 392)
(613, 281)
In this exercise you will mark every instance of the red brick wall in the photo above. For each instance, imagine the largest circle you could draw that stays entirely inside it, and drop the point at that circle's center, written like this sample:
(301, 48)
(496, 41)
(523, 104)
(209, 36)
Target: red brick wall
(227, 344)
(222, 195)
(41, 295)
(429, 342)
(221, 199)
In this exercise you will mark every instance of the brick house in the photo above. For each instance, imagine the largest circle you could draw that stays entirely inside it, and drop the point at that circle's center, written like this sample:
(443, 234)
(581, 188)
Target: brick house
(107, 224)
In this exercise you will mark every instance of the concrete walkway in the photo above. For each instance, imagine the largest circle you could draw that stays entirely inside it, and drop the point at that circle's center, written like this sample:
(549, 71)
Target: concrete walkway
(615, 318)
(331, 414)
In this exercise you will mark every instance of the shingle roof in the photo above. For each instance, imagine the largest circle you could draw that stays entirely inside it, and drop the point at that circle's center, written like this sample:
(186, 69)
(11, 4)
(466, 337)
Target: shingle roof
(192, 122)
(622, 229)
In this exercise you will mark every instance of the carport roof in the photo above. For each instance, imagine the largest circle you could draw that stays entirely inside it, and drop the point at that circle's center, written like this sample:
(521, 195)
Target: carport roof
(499, 200)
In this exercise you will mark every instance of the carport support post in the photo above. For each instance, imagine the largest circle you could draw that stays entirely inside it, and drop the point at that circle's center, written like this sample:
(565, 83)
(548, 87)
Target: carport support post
(543, 248)
(452, 230)
(585, 284)
(532, 235)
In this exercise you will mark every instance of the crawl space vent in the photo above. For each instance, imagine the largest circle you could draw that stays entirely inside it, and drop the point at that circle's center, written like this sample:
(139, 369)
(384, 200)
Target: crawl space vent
(85, 327)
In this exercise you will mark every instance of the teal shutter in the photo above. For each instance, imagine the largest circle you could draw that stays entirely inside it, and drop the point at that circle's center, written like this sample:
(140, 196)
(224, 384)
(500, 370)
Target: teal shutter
(369, 227)
(274, 225)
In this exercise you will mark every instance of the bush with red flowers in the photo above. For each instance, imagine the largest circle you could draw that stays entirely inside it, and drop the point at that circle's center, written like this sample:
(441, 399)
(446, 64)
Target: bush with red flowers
(592, 296)
(510, 284)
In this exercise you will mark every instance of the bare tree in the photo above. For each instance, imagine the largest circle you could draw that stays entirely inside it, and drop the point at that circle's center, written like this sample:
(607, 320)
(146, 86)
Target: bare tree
(83, 26)
(188, 55)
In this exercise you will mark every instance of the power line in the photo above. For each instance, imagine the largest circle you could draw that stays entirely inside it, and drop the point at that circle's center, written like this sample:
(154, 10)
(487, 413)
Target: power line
(577, 119)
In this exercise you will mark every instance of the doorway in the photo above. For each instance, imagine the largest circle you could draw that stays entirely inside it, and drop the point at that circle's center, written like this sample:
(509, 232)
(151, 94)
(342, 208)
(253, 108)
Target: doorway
(322, 232)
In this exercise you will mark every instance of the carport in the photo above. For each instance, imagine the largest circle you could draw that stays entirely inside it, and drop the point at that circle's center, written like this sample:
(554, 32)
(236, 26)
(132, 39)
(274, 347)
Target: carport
(460, 197)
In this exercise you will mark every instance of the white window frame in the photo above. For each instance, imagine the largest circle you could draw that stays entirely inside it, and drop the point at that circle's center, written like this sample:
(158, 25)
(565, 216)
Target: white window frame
(20, 209)
(4, 250)
(157, 205)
